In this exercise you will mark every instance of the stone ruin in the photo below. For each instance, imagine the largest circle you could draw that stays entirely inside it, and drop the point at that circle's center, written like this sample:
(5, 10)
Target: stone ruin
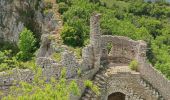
(107, 68)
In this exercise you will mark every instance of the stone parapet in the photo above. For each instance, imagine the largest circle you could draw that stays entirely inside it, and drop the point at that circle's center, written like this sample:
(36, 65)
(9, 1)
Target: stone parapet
(154, 77)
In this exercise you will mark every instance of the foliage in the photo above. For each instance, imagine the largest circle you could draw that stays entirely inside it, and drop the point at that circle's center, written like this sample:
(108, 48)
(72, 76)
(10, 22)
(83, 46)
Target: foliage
(73, 35)
(109, 47)
(7, 61)
(135, 19)
(40, 89)
(133, 65)
(93, 87)
(76, 22)
(70, 37)
(26, 45)
(62, 7)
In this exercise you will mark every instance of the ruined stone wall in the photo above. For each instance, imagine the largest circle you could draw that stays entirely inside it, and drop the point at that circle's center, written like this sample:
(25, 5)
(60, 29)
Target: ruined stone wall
(123, 49)
(14, 76)
(158, 81)
(95, 40)
(49, 69)
(128, 83)
(153, 76)
(70, 63)
(87, 56)
(124, 83)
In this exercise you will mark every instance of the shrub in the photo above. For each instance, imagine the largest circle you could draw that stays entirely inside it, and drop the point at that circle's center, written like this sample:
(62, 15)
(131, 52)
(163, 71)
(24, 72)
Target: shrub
(94, 88)
(62, 7)
(26, 45)
(72, 36)
(7, 61)
(133, 65)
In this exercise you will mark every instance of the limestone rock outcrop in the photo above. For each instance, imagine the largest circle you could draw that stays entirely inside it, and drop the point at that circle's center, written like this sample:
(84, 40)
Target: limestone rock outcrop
(17, 14)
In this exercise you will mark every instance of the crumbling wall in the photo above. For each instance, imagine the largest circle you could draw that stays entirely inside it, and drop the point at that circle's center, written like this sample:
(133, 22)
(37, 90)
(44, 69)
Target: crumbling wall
(14, 76)
(70, 63)
(87, 56)
(153, 76)
(123, 49)
(46, 48)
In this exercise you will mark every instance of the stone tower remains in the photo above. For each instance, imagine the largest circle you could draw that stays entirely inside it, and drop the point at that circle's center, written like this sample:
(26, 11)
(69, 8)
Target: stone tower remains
(95, 36)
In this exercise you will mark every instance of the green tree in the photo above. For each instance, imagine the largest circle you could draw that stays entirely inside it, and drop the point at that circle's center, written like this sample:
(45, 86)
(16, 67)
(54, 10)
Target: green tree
(26, 45)
(74, 33)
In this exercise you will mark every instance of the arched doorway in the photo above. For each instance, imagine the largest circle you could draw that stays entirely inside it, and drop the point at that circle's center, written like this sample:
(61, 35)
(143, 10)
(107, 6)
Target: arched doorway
(116, 96)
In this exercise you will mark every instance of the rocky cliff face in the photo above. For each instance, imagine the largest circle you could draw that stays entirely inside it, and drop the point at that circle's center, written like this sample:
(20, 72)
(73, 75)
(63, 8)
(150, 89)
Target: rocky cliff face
(17, 14)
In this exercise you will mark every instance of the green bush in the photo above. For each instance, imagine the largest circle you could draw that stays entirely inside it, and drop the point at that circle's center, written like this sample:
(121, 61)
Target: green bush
(94, 88)
(26, 45)
(73, 36)
(62, 7)
(133, 65)
(7, 61)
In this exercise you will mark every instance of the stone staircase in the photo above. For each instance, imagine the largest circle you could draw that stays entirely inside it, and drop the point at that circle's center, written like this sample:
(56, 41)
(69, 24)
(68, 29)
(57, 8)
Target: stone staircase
(150, 88)
(100, 81)
(101, 78)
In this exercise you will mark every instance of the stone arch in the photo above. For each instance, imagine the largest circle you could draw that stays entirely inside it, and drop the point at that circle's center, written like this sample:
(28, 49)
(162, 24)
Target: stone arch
(125, 91)
(122, 85)
(116, 96)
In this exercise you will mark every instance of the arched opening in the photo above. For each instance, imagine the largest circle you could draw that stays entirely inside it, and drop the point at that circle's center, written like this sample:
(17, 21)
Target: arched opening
(116, 96)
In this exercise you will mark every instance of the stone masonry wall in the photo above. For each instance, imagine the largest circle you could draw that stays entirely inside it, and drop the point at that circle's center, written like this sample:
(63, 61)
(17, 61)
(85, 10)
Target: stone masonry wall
(70, 63)
(157, 80)
(123, 49)
(87, 56)
(95, 40)
(153, 76)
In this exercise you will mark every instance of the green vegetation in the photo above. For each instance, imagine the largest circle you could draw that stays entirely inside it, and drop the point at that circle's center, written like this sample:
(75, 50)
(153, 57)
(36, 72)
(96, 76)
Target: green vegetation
(132, 18)
(18, 56)
(93, 87)
(39, 89)
(135, 19)
(133, 65)
(26, 45)
(57, 56)
(7, 61)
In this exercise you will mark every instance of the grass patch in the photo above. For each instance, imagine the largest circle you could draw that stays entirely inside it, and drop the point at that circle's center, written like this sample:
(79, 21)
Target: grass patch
(94, 88)
(57, 56)
(133, 65)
